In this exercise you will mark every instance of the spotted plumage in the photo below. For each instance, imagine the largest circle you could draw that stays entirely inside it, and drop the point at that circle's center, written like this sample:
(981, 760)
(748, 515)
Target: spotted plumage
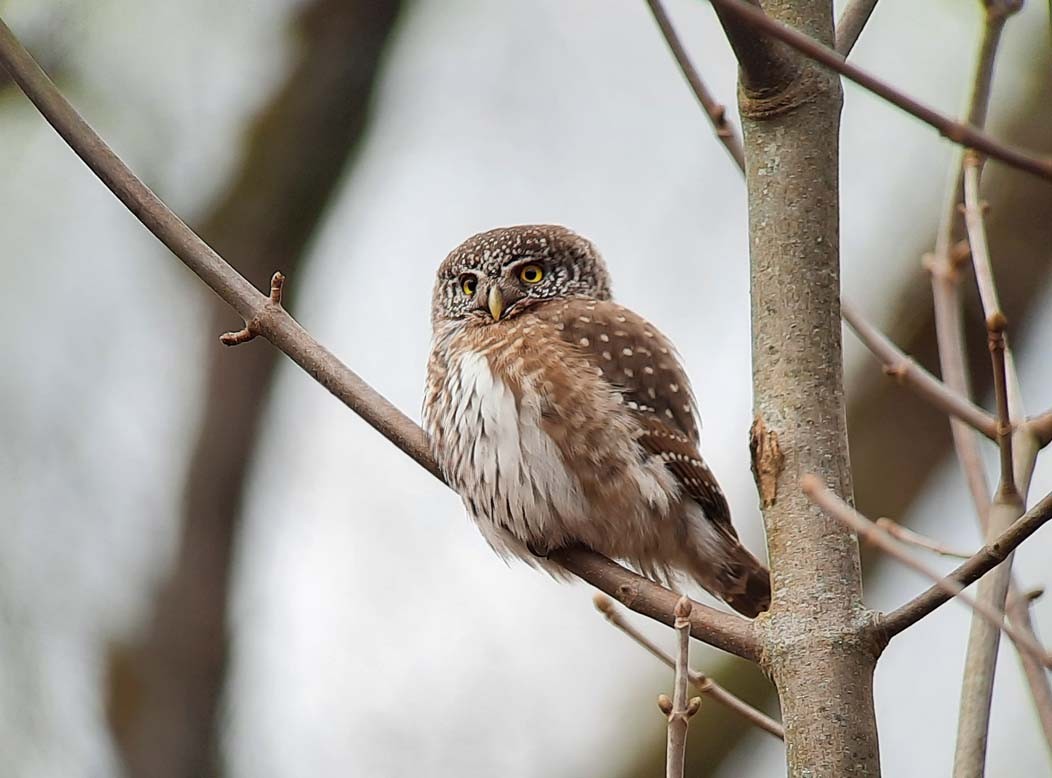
(562, 417)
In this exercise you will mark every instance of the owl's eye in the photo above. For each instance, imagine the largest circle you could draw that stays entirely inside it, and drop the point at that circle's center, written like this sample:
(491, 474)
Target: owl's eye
(468, 285)
(531, 274)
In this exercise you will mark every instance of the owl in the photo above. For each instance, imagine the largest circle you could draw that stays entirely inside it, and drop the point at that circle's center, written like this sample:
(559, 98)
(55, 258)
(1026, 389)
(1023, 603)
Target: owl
(561, 417)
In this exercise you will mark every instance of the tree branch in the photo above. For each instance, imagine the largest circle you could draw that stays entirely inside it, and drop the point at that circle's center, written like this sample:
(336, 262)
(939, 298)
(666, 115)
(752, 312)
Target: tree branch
(272, 322)
(703, 683)
(716, 112)
(765, 66)
(1041, 426)
(908, 536)
(983, 561)
(679, 709)
(868, 531)
(746, 16)
(924, 384)
(850, 24)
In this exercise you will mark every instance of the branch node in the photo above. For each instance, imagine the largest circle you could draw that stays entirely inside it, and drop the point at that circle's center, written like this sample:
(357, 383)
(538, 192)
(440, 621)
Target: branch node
(252, 326)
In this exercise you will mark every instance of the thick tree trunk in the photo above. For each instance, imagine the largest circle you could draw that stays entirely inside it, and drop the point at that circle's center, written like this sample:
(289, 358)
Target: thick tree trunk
(816, 644)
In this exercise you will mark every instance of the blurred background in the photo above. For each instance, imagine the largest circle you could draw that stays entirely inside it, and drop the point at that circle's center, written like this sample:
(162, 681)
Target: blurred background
(210, 566)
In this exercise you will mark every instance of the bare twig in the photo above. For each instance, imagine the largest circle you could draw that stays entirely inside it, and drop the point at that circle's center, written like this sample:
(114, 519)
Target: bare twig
(679, 709)
(1041, 426)
(908, 372)
(975, 223)
(995, 327)
(906, 535)
(272, 322)
(868, 531)
(945, 279)
(985, 559)
(703, 683)
(850, 24)
(716, 112)
(1017, 608)
(963, 134)
(251, 328)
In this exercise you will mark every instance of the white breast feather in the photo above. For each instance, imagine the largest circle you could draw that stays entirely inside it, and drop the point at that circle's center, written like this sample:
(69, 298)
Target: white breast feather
(512, 463)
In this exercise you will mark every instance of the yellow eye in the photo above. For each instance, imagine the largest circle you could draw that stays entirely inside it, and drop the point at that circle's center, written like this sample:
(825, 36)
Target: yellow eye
(531, 274)
(468, 285)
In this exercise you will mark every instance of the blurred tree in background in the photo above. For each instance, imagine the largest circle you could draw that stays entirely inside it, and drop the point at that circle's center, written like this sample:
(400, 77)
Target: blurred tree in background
(541, 64)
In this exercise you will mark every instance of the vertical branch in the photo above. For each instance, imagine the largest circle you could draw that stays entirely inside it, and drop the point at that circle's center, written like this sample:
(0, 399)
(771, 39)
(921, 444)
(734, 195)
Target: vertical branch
(984, 638)
(679, 709)
(816, 642)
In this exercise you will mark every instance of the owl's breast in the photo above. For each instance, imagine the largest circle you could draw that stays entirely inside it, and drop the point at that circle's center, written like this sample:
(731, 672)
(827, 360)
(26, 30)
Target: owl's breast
(535, 439)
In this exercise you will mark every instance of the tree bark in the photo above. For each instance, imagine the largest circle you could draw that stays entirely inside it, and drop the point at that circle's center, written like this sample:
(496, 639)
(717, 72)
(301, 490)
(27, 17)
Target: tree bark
(816, 638)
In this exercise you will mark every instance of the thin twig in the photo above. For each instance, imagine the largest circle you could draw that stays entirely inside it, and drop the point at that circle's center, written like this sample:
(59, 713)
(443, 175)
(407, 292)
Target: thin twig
(836, 508)
(850, 24)
(272, 322)
(971, 570)
(679, 709)
(975, 222)
(923, 383)
(962, 134)
(1041, 426)
(945, 279)
(717, 113)
(995, 327)
(912, 538)
(977, 685)
(251, 328)
(1017, 608)
(700, 681)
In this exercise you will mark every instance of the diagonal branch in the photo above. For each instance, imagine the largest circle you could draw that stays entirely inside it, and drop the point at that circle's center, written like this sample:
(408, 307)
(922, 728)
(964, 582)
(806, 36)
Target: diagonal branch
(923, 383)
(983, 561)
(765, 66)
(1041, 426)
(703, 683)
(744, 13)
(850, 24)
(818, 493)
(908, 536)
(730, 633)
(716, 112)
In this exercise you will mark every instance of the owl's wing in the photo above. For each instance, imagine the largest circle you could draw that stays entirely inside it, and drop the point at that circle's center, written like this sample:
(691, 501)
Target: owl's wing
(641, 362)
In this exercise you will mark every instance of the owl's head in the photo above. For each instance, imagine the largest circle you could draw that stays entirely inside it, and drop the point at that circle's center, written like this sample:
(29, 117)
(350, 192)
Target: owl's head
(500, 273)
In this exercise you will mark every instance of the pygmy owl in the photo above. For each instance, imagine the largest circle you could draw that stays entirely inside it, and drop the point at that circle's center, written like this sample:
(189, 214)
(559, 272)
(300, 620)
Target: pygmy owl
(562, 417)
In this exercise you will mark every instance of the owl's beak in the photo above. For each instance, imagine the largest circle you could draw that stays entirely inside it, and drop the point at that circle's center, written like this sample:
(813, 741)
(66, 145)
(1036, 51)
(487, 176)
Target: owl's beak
(496, 302)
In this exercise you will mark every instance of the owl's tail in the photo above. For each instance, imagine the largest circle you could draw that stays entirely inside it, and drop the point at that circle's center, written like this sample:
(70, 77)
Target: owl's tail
(726, 569)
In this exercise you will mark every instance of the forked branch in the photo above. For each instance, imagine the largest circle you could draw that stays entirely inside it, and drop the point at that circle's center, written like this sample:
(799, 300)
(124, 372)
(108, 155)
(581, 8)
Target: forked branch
(744, 13)
(701, 682)
(823, 497)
